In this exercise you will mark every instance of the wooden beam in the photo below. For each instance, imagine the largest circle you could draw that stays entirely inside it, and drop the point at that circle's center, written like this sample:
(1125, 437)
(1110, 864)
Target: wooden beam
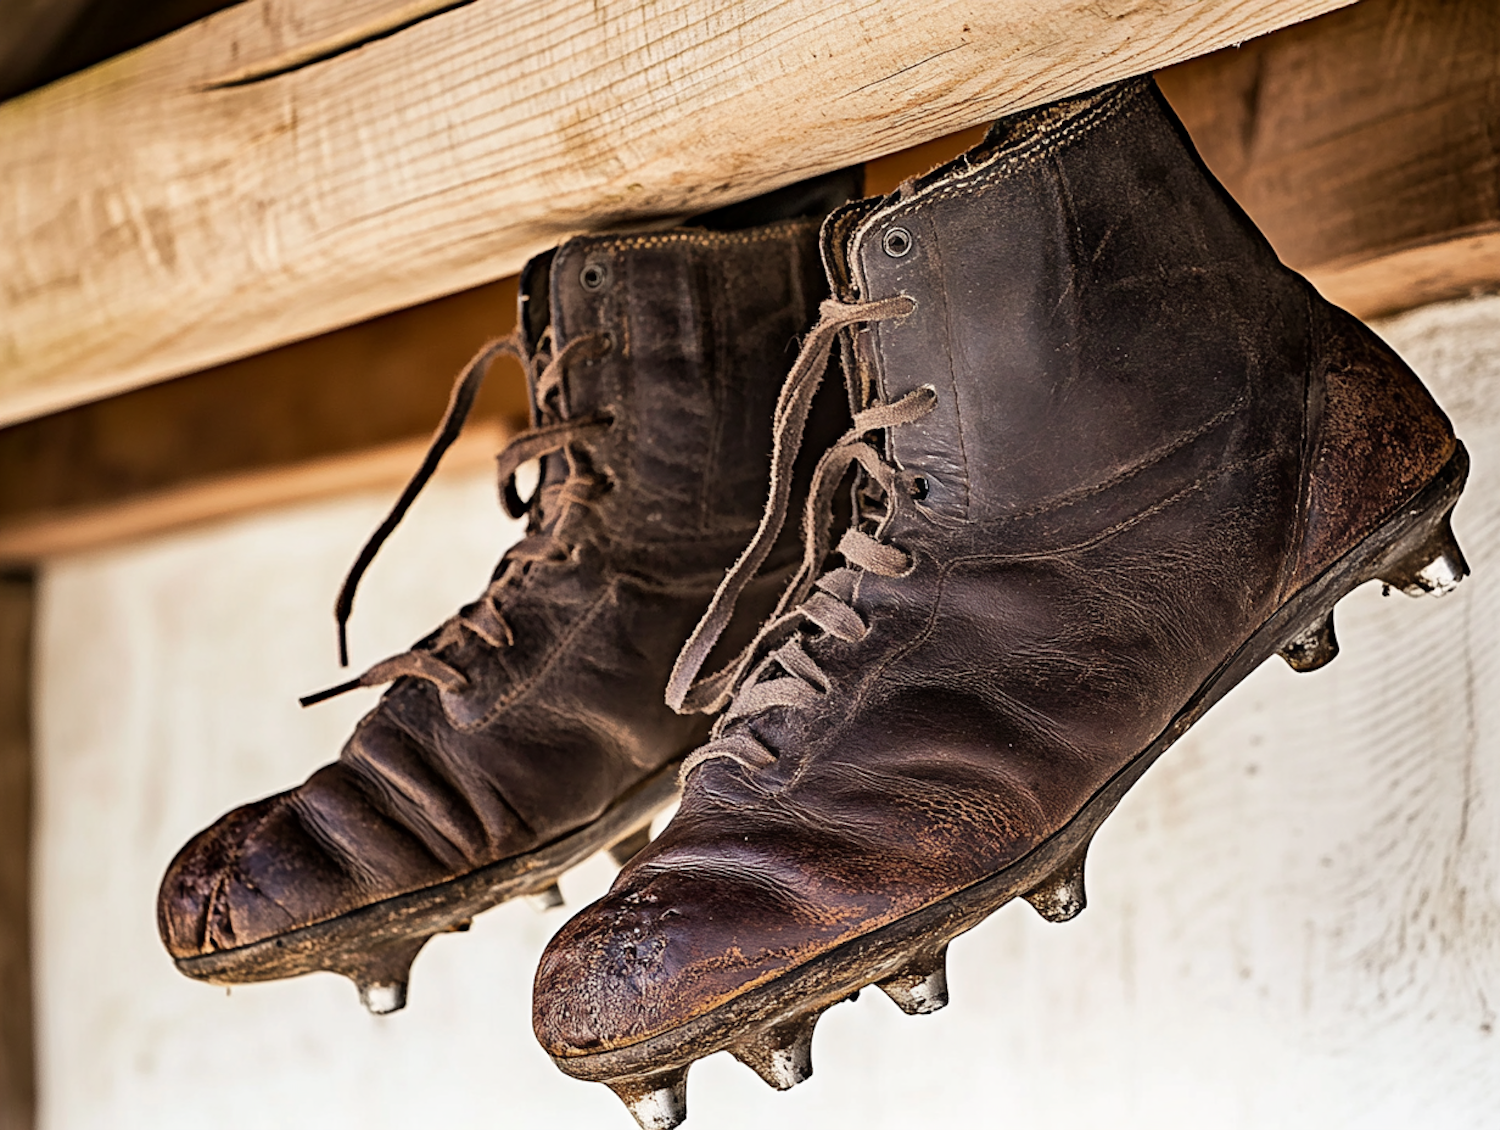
(1365, 145)
(17, 1055)
(350, 410)
(286, 167)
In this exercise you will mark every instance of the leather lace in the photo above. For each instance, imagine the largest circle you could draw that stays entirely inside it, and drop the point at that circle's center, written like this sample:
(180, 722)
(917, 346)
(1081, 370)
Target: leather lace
(786, 674)
(549, 507)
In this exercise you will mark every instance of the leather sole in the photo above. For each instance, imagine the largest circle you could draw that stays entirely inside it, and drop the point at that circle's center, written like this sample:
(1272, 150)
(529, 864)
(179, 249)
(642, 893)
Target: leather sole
(375, 945)
(770, 1027)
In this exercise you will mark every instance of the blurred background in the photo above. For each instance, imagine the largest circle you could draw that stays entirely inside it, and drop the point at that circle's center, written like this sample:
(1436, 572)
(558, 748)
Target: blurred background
(1293, 922)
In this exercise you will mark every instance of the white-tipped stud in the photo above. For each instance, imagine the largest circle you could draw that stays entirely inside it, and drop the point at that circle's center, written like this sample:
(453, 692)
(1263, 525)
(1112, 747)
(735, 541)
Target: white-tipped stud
(1060, 896)
(921, 987)
(1433, 568)
(380, 972)
(1313, 648)
(624, 851)
(383, 998)
(657, 1102)
(1438, 577)
(782, 1056)
(548, 898)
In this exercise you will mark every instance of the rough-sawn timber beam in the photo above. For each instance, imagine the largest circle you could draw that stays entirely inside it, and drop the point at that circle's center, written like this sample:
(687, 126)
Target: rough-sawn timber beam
(286, 167)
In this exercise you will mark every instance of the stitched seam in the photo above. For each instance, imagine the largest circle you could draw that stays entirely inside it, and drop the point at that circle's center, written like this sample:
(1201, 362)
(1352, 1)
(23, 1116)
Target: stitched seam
(978, 177)
(779, 230)
(861, 697)
(1073, 498)
(1316, 372)
(958, 411)
(559, 647)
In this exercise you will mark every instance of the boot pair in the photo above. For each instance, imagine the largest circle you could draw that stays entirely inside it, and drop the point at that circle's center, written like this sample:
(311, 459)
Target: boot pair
(1107, 455)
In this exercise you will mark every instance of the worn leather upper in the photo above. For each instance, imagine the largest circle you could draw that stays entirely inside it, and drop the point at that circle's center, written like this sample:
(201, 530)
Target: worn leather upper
(1145, 435)
(695, 328)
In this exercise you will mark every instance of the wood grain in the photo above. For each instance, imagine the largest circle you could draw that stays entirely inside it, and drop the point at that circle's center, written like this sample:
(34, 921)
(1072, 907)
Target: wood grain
(346, 411)
(17, 1059)
(165, 213)
(1364, 144)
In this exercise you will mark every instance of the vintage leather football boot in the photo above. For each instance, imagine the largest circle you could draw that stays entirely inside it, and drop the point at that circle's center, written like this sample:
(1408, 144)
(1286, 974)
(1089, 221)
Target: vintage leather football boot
(1112, 455)
(529, 731)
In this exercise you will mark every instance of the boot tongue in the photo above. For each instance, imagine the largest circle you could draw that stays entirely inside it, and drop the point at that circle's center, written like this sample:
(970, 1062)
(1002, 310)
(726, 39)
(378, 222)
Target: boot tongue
(535, 307)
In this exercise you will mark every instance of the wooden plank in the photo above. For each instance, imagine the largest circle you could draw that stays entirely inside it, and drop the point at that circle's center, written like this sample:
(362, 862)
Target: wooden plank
(17, 1057)
(242, 184)
(1364, 144)
(346, 411)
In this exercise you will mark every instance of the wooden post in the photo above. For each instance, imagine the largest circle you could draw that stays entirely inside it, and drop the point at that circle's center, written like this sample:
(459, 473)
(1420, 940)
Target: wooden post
(17, 1058)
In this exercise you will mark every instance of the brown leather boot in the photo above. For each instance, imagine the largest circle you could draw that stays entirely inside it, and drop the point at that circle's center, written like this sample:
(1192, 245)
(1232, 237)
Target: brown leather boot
(1112, 456)
(529, 731)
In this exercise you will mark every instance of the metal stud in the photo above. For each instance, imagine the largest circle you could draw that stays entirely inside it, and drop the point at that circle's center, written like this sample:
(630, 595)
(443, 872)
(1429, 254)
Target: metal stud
(383, 999)
(1061, 896)
(1432, 568)
(657, 1102)
(782, 1056)
(594, 276)
(1440, 576)
(381, 973)
(922, 986)
(897, 243)
(1315, 647)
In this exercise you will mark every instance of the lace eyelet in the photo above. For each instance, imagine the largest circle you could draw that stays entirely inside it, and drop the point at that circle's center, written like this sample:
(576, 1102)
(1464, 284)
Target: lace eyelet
(919, 486)
(898, 243)
(594, 276)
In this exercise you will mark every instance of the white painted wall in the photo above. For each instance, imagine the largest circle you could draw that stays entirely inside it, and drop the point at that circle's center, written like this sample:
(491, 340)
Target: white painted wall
(1294, 920)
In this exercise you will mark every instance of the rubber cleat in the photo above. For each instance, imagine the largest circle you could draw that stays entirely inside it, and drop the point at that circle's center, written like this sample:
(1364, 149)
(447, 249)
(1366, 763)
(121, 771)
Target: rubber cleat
(548, 898)
(922, 987)
(383, 998)
(656, 1102)
(782, 1056)
(1061, 895)
(1432, 568)
(1315, 647)
(381, 973)
(627, 849)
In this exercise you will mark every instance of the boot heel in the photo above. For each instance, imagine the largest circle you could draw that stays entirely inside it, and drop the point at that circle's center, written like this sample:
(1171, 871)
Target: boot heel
(1431, 567)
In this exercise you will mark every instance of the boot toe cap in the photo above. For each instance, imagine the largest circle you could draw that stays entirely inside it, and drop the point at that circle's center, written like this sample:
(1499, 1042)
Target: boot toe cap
(251, 875)
(665, 949)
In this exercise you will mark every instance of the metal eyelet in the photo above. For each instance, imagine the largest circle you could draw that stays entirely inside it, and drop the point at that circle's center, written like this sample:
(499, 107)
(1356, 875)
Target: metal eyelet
(898, 243)
(594, 276)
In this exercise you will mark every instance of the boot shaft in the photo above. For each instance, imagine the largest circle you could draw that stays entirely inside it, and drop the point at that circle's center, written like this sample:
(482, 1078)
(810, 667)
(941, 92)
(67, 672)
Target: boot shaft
(1087, 297)
(701, 326)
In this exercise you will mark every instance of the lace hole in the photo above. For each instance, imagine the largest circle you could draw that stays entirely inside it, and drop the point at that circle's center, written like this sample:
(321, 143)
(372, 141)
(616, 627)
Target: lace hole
(919, 487)
(594, 276)
(898, 242)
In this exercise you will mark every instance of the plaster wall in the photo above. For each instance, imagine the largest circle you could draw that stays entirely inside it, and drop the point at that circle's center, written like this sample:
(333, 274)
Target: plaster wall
(1294, 919)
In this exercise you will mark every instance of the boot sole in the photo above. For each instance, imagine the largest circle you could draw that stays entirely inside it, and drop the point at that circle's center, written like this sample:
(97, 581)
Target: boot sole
(375, 945)
(769, 1027)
